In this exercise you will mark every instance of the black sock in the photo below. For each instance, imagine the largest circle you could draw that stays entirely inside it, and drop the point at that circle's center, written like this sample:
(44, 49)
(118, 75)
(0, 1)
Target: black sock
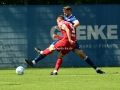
(90, 63)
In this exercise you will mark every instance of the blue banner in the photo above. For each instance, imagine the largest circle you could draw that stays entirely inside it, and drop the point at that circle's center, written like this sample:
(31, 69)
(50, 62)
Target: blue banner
(24, 27)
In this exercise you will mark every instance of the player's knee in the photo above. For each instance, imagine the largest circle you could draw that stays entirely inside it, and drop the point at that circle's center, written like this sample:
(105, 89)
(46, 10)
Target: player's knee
(60, 55)
(52, 48)
(80, 53)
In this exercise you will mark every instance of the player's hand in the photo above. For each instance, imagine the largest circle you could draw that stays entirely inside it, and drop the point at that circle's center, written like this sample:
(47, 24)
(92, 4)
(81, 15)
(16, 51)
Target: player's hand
(53, 35)
(71, 41)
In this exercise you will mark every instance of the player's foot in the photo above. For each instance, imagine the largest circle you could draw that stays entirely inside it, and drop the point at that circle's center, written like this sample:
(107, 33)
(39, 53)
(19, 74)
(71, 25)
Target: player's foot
(37, 50)
(52, 73)
(29, 63)
(100, 71)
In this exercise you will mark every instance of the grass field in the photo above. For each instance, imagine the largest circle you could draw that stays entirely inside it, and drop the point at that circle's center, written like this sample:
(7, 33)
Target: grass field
(68, 79)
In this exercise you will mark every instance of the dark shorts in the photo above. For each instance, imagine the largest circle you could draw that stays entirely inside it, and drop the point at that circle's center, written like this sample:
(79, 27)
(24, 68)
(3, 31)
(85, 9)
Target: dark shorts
(77, 47)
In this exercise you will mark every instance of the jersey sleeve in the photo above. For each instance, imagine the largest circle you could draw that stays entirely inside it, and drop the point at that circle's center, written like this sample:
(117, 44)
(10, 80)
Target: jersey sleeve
(73, 19)
(63, 26)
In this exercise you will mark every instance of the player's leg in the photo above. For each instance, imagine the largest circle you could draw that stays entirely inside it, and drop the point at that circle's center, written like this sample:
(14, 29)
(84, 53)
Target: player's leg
(39, 57)
(58, 64)
(34, 61)
(60, 56)
(84, 57)
(47, 51)
(80, 53)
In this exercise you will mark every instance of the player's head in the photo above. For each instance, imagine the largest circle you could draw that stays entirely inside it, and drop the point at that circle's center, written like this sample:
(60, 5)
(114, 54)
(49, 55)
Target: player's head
(59, 18)
(67, 10)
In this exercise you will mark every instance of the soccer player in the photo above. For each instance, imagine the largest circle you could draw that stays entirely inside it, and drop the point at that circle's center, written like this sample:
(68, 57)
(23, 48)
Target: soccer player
(68, 16)
(67, 41)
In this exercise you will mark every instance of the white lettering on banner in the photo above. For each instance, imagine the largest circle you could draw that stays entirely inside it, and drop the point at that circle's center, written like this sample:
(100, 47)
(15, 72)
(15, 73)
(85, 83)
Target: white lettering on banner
(112, 31)
(87, 32)
(80, 32)
(115, 46)
(95, 32)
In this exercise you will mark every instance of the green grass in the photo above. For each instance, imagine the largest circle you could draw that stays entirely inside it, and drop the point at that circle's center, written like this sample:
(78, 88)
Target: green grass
(68, 79)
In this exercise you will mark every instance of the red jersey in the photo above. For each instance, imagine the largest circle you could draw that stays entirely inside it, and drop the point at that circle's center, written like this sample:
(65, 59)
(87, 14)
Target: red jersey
(62, 24)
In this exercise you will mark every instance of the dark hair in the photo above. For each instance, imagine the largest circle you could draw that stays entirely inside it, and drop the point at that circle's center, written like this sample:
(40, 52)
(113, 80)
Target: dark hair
(61, 17)
(68, 8)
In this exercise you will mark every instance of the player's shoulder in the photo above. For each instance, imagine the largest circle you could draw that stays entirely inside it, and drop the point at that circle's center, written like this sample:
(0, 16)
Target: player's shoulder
(72, 16)
(66, 22)
(62, 23)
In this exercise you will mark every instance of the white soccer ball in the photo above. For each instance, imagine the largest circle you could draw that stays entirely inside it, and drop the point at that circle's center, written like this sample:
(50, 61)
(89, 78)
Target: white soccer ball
(20, 70)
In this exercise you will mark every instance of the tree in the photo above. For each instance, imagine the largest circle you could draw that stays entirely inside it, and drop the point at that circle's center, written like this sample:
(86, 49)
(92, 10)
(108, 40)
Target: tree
(56, 2)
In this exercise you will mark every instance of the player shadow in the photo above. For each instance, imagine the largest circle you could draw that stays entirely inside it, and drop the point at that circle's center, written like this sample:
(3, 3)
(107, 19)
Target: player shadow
(11, 84)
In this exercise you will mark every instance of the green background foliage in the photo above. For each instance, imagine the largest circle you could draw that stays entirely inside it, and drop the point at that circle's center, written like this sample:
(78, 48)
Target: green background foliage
(56, 2)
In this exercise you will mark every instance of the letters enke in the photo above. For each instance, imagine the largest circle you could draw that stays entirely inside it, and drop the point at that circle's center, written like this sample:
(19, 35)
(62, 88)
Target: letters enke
(86, 32)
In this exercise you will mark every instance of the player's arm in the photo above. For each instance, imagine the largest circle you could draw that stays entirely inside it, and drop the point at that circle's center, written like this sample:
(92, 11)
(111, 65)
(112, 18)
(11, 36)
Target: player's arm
(57, 36)
(64, 27)
(76, 23)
